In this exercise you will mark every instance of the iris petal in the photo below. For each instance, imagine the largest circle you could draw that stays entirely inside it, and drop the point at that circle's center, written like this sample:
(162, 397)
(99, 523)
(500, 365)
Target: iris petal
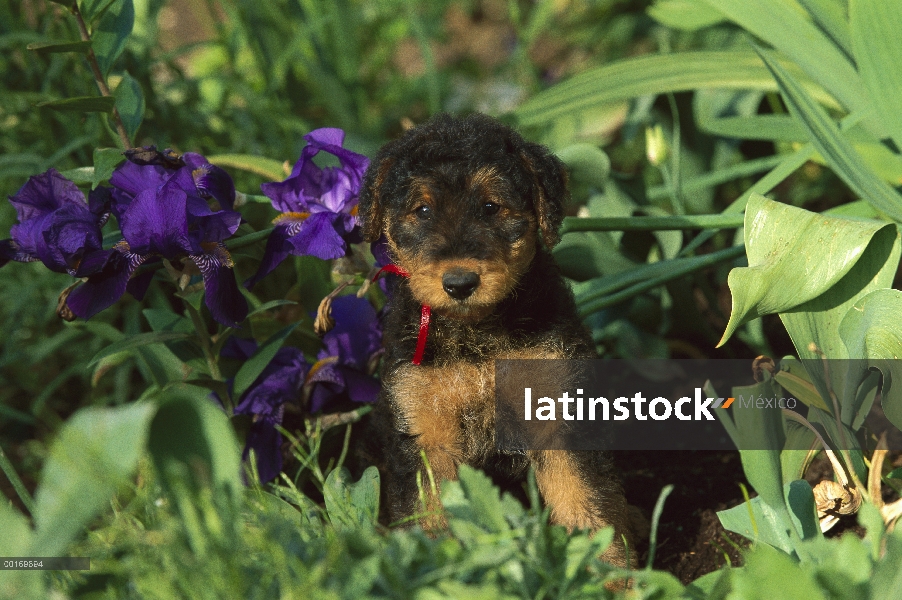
(318, 237)
(104, 288)
(277, 249)
(158, 223)
(223, 298)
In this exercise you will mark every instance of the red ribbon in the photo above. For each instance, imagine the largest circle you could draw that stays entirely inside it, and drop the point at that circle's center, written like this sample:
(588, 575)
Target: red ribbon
(425, 314)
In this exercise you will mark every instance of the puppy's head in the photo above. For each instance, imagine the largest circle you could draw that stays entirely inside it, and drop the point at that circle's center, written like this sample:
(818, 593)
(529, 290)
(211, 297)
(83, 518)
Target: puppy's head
(461, 203)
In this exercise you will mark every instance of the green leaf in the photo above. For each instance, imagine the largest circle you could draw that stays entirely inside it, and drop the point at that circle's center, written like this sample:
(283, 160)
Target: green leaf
(252, 368)
(836, 150)
(79, 175)
(17, 540)
(265, 167)
(102, 104)
(130, 104)
(109, 36)
(815, 326)
(832, 16)
(784, 26)
(653, 74)
(270, 305)
(95, 452)
(478, 502)
(874, 25)
(136, 341)
(772, 574)
(886, 582)
(794, 256)
(351, 505)
(587, 164)
(688, 15)
(762, 436)
(773, 529)
(91, 9)
(190, 433)
(51, 47)
(870, 330)
(105, 162)
(583, 256)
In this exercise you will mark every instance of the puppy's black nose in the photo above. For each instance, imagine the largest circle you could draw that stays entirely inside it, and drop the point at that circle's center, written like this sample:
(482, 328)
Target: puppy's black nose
(460, 284)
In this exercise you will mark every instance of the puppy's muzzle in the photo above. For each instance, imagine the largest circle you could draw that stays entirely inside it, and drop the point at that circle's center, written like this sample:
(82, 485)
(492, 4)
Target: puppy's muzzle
(459, 284)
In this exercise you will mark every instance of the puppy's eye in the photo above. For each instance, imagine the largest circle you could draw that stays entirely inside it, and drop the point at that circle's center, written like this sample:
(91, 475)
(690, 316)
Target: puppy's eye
(423, 212)
(490, 208)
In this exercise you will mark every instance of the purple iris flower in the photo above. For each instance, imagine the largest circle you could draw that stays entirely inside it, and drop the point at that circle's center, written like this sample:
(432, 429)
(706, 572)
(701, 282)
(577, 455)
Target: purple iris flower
(318, 205)
(342, 368)
(57, 227)
(280, 382)
(163, 212)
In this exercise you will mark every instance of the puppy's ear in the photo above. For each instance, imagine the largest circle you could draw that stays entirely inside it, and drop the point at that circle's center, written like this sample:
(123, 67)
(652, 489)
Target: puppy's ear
(370, 209)
(549, 189)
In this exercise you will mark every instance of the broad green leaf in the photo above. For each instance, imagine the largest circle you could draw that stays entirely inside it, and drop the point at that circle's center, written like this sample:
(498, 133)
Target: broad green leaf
(161, 366)
(800, 449)
(800, 388)
(870, 330)
(587, 164)
(51, 47)
(583, 256)
(266, 167)
(252, 368)
(689, 15)
(95, 452)
(836, 150)
(654, 74)
(772, 574)
(784, 26)
(130, 104)
(112, 30)
(875, 26)
(190, 433)
(79, 175)
(886, 582)
(870, 518)
(135, 341)
(762, 435)
(102, 104)
(832, 16)
(349, 504)
(814, 326)
(771, 529)
(794, 256)
(17, 540)
(105, 162)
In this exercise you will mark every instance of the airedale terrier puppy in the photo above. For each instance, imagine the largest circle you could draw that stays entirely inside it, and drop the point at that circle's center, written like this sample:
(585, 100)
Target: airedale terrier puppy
(470, 211)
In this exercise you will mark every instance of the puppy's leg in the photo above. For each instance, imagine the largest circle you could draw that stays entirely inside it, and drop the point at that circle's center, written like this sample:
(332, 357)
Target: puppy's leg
(430, 403)
(583, 492)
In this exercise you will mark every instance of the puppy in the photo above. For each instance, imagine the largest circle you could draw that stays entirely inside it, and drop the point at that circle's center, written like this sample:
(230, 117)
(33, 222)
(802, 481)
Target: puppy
(470, 211)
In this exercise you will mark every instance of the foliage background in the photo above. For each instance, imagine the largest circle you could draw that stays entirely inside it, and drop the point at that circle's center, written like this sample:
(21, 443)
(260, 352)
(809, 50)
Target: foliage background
(244, 77)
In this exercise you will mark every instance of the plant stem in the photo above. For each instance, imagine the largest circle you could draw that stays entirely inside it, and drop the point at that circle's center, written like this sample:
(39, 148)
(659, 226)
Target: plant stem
(205, 345)
(681, 267)
(247, 240)
(720, 221)
(98, 76)
(14, 479)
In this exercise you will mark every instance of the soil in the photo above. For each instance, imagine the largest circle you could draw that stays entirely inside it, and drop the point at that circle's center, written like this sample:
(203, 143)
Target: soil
(690, 539)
